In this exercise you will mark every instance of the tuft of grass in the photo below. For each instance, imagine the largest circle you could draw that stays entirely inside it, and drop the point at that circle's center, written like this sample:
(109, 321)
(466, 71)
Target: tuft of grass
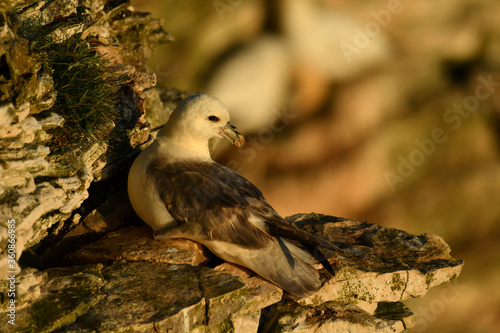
(85, 94)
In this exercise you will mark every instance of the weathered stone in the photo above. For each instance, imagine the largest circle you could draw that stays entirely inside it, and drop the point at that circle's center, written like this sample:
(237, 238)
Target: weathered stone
(137, 32)
(143, 81)
(383, 265)
(138, 244)
(10, 131)
(19, 133)
(29, 151)
(261, 293)
(23, 110)
(35, 166)
(22, 180)
(50, 121)
(337, 317)
(6, 114)
(160, 102)
(58, 9)
(139, 138)
(29, 285)
(396, 311)
(176, 298)
(366, 306)
(47, 198)
(108, 216)
(74, 200)
(46, 95)
(69, 184)
(95, 6)
(26, 130)
(22, 64)
(68, 160)
(221, 305)
(74, 159)
(133, 304)
(30, 125)
(4, 32)
(248, 322)
(56, 298)
(141, 296)
(15, 143)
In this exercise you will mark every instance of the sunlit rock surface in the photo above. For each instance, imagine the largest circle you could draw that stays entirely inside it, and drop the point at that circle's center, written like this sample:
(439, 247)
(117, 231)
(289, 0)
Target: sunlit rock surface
(127, 280)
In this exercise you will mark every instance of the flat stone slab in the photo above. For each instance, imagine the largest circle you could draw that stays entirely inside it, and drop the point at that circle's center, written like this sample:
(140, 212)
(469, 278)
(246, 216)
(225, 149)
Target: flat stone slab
(334, 317)
(382, 265)
(137, 296)
(136, 243)
(261, 293)
(48, 300)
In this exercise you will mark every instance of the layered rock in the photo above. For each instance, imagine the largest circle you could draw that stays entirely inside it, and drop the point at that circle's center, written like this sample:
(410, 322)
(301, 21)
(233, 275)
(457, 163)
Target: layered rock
(46, 167)
(129, 280)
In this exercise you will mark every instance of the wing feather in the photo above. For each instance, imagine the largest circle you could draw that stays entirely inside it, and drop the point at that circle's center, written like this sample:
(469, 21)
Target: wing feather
(213, 196)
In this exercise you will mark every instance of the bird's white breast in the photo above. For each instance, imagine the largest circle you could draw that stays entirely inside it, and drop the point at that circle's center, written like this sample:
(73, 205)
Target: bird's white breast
(142, 192)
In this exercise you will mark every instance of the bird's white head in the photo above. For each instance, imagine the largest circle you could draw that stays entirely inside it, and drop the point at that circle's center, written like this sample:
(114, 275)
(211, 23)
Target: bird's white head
(199, 118)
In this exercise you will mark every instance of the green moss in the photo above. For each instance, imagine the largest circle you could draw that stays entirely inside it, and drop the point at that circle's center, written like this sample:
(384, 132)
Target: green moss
(64, 306)
(226, 326)
(57, 310)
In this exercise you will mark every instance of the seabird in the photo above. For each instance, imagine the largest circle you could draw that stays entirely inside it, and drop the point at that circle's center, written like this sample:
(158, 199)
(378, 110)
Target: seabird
(177, 189)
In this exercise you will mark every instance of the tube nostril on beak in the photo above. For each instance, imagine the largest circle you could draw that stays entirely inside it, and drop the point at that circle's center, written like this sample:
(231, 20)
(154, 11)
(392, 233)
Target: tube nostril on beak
(230, 132)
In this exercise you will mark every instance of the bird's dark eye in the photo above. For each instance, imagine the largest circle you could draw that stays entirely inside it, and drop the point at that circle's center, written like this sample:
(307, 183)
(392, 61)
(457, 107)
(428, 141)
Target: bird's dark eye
(213, 118)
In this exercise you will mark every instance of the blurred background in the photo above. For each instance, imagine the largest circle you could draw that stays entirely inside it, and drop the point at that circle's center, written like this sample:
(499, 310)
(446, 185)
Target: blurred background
(383, 111)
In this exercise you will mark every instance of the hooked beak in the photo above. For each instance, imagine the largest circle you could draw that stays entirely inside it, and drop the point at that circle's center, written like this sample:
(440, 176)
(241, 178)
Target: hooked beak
(229, 132)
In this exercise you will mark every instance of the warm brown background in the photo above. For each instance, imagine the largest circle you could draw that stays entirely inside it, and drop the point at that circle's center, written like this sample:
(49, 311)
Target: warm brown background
(351, 121)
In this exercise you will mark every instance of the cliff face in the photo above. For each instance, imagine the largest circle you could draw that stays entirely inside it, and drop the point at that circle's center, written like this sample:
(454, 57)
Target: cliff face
(73, 95)
(72, 75)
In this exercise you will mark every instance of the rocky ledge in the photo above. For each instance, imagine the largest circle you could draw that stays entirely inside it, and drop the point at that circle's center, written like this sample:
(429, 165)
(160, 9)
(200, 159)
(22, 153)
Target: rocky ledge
(127, 281)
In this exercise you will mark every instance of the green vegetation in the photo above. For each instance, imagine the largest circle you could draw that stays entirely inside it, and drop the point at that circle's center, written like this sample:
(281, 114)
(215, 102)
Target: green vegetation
(85, 94)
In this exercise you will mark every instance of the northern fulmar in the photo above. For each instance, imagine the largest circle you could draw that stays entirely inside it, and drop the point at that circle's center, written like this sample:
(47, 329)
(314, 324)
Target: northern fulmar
(177, 189)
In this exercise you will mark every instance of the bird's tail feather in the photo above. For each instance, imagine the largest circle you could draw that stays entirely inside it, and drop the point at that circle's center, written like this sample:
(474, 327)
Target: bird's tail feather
(283, 229)
(280, 262)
